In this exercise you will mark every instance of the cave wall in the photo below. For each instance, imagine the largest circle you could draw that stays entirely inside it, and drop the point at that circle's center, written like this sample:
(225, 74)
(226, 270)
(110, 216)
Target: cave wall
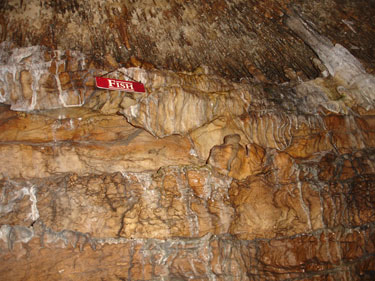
(251, 155)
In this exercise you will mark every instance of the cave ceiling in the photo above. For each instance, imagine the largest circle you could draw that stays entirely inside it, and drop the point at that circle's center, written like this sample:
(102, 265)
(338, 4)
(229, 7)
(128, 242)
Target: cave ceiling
(240, 40)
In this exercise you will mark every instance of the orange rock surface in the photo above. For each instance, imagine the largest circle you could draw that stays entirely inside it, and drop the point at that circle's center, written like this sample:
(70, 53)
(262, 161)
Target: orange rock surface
(244, 173)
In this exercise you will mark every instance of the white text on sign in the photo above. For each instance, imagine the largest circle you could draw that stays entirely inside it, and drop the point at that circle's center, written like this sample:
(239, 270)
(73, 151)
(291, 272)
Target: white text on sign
(123, 85)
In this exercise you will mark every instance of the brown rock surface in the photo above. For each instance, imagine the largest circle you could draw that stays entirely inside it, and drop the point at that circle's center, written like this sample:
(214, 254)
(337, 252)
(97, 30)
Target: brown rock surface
(241, 39)
(82, 141)
(221, 170)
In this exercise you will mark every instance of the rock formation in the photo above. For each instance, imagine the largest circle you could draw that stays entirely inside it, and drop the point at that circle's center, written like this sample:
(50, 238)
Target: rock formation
(251, 155)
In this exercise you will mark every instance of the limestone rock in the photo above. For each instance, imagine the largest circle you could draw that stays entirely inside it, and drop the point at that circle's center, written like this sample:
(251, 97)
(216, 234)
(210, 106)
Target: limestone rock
(234, 160)
(36, 78)
(77, 179)
(81, 141)
(181, 109)
(237, 163)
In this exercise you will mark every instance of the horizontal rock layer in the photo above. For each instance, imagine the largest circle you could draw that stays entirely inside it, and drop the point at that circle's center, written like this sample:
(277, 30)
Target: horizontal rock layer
(325, 255)
(251, 194)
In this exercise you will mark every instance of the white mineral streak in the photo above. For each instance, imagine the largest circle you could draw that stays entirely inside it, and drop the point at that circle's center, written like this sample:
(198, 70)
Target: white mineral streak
(341, 64)
(31, 59)
(199, 105)
(185, 192)
(11, 234)
(31, 192)
(23, 234)
(219, 193)
(4, 232)
(64, 99)
(144, 179)
(192, 152)
(203, 106)
(16, 196)
(136, 74)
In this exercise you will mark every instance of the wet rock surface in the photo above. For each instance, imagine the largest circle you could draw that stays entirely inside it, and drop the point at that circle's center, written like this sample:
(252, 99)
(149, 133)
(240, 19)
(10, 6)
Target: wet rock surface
(201, 177)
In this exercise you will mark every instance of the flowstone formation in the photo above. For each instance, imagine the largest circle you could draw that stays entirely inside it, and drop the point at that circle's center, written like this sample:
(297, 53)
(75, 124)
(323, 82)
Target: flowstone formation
(205, 176)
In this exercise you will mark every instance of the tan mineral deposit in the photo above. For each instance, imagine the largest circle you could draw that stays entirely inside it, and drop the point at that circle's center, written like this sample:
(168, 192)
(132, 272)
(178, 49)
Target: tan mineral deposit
(248, 156)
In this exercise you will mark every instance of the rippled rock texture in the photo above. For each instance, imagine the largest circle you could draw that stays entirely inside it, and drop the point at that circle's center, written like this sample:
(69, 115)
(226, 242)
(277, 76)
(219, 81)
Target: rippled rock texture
(201, 177)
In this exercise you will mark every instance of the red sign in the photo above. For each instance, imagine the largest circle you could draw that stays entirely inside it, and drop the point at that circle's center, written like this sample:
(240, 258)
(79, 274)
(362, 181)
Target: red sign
(121, 85)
